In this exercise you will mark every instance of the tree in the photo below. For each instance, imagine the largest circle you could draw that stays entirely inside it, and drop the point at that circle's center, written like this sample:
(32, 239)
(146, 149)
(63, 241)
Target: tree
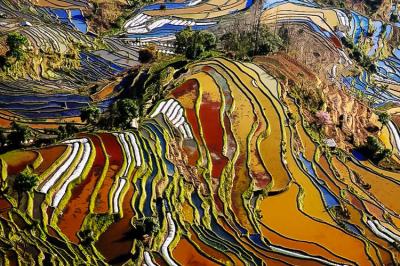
(323, 118)
(3, 139)
(375, 151)
(16, 43)
(123, 111)
(183, 40)
(91, 114)
(383, 155)
(67, 131)
(373, 144)
(25, 182)
(268, 42)
(256, 41)
(20, 134)
(194, 43)
(143, 228)
(148, 54)
(384, 117)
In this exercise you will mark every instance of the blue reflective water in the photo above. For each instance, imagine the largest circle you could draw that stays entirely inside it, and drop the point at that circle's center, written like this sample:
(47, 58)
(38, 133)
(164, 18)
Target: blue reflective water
(149, 181)
(166, 30)
(78, 20)
(197, 203)
(375, 37)
(97, 59)
(241, 229)
(167, 6)
(360, 25)
(273, 3)
(328, 197)
(234, 245)
(359, 155)
(220, 232)
(353, 229)
(256, 238)
(157, 131)
(159, 204)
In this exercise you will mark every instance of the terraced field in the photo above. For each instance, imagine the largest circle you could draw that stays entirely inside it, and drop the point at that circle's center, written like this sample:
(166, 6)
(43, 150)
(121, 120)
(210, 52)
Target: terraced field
(247, 187)
(226, 164)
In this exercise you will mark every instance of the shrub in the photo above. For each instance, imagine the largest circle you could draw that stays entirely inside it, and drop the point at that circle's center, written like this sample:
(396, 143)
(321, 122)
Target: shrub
(375, 151)
(19, 135)
(323, 118)
(384, 117)
(123, 111)
(147, 55)
(67, 131)
(25, 182)
(16, 43)
(373, 5)
(91, 114)
(394, 18)
(357, 55)
(3, 139)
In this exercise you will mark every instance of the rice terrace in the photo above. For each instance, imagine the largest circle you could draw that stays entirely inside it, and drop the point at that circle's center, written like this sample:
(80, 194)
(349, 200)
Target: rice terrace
(200, 132)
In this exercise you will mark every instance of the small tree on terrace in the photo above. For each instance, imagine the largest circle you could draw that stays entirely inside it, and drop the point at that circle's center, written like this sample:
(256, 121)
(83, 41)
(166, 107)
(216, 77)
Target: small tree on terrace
(183, 40)
(17, 43)
(67, 131)
(148, 54)
(384, 117)
(268, 42)
(91, 114)
(3, 139)
(375, 150)
(323, 118)
(20, 134)
(123, 111)
(25, 182)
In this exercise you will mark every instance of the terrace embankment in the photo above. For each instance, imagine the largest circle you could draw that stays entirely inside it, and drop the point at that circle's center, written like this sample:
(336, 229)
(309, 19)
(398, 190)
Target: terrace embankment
(218, 170)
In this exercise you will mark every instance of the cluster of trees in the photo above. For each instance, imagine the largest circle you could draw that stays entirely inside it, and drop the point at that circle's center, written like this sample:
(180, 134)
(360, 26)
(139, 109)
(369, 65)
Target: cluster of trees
(18, 136)
(375, 151)
(147, 54)
(308, 96)
(120, 114)
(193, 44)
(143, 228)
(335, 3)
(373, 5)
(246, 43)
(3, 138)
(394, 18)
(17, 45)
(90, 114)
(384, 117)
(66, 131)
(242, 42)
(24, 182)
(357, 55)
(123, 111)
